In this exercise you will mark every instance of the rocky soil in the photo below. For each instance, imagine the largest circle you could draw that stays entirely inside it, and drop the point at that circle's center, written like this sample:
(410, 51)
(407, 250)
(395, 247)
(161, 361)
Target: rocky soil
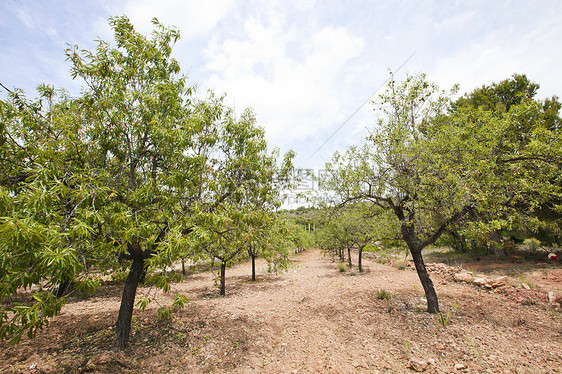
(316, 319)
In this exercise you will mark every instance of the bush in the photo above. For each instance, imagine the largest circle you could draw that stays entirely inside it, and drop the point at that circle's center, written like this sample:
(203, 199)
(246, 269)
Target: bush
(443, 319)
(383, 294)
(382, 260)
(372, 248)
(530, 245)
(342, 267)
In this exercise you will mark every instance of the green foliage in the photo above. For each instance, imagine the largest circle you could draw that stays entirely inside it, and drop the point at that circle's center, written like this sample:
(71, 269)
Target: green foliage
(531, 245)
(530, 301)
(19, 318)
(528, 282)
(165, 313)
(383, 294)
(352, 226)
(342, 267)
(133, 168)
(299, 237)
(443, 319)
(143, 302)
(474, 167)
(372, 248)
(406, 349)
(180, 301)
(119, 275)
(525, 159)
(44, 233)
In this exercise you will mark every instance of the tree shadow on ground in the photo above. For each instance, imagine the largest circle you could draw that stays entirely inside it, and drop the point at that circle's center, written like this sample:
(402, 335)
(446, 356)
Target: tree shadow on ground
(204, 341)
(238, 284)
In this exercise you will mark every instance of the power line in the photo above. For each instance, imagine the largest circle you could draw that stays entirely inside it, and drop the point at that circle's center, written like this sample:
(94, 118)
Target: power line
(6, 88)
(361, 106)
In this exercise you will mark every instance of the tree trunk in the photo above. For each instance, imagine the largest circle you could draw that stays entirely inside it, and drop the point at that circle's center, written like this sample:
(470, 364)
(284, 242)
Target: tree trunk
(61, 289)
(123, 325)
(359, 260)
(430, 294)
(183, 265)
(223, 276)
(253, 267)
(142, 276)
(496, 243)
(349, 257)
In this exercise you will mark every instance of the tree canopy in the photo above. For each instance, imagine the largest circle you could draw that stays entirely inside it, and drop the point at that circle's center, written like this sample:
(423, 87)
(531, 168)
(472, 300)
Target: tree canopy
(433, 162)
(123, 172)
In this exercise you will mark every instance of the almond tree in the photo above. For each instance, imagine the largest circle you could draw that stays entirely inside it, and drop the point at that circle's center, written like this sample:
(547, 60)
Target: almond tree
(431, 164)
(150, 143)
(117, 172)
(45, 232)
(248, 174)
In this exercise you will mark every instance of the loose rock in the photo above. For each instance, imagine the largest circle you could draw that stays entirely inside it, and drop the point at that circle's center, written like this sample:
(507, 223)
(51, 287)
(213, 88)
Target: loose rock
(418, 365)
(463, 276)
(551, 298)
(460, 367)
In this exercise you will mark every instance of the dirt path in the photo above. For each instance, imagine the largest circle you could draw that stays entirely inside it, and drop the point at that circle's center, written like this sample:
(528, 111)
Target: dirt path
(311, 319)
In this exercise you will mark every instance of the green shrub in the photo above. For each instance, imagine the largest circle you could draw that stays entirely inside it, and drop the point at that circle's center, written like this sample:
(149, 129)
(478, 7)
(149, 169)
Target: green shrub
(443, 319)
(528, 282)
(530, 301)
(342, 267)
(530, 245)
(381, 260)
(383, 294)
(372, 248)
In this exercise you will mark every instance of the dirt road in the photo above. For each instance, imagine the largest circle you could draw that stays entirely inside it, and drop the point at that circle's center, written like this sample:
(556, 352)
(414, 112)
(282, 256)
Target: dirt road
(311, 319)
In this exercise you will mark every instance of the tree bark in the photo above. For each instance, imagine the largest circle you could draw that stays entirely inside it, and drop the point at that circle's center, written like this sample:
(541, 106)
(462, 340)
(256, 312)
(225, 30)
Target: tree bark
(61, 289)
(223, 278)
(359, 260)
(183, 266)
(430, 294)
(123, 325)
(253, 267)
(349, 257)
(415, 246)
(496, 243)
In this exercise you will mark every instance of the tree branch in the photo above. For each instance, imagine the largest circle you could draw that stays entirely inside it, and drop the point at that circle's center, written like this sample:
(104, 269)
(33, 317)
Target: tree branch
(455, 217)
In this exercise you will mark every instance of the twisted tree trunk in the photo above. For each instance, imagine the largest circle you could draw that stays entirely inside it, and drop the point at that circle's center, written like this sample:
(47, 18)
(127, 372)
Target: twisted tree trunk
(430, 294)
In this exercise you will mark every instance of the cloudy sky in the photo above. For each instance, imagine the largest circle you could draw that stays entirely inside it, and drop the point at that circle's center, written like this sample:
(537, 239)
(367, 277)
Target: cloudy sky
(304, 66)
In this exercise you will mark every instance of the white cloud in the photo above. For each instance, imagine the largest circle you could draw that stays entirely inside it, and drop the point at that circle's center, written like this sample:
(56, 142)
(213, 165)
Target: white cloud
(25, 18)
(455, 21)
(294, 97)
(192, 17)
(304, 65)
(499, 55)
